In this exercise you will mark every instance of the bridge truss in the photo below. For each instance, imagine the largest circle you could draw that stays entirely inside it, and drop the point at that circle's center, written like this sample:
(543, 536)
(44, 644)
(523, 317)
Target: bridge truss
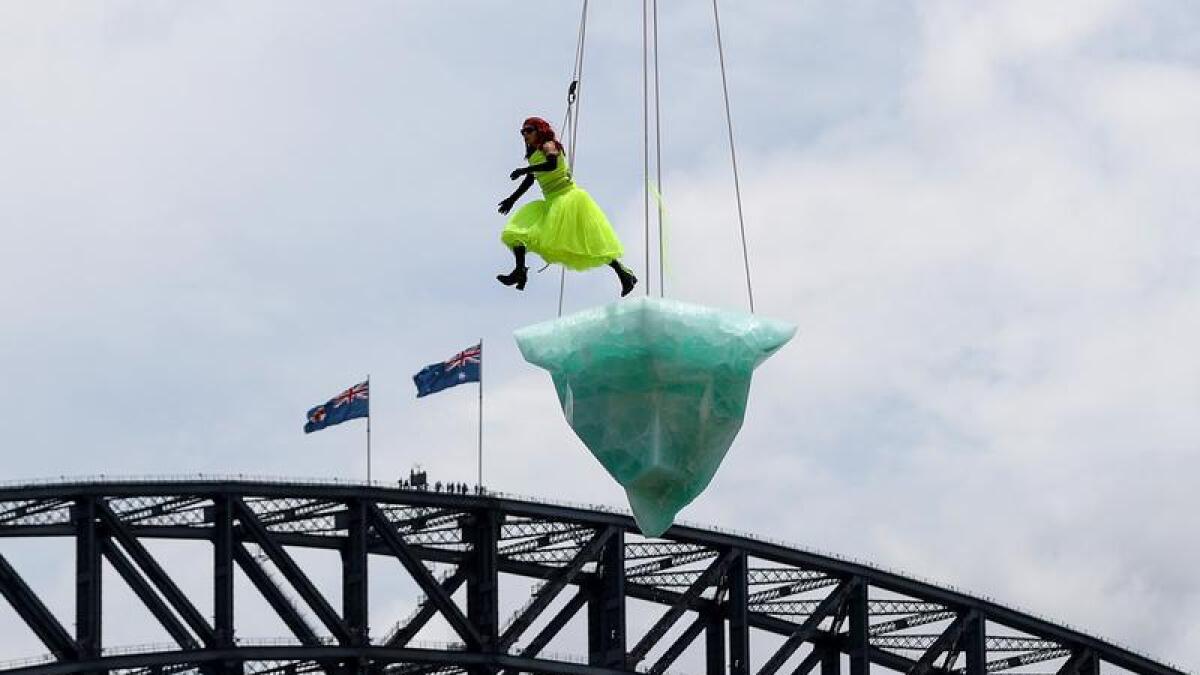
(691, 601)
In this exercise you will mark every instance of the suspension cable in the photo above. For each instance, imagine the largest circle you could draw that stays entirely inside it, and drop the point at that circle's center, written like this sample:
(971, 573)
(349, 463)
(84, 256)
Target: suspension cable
(570, 125)
(662, 261)
(646, 138)
(573, 93)
(733, 157)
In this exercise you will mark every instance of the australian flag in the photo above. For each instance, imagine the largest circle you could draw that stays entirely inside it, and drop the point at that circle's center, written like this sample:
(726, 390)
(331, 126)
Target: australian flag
(464, 366)
(352, 403)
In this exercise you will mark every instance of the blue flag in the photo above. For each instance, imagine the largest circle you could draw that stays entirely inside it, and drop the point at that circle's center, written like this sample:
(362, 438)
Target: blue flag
(465, 366)
(352, 403)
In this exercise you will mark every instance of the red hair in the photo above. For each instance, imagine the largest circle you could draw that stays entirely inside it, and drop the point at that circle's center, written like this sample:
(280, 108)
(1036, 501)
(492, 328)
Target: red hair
(545, 134)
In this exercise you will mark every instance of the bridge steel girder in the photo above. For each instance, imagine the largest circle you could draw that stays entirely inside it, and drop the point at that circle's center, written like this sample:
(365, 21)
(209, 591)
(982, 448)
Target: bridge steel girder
(481, 529)
(555, 625)
(35, 614)
(858, 610)
(154, 572)
(148, 597)
(606, 606)
(727, 588)
(355, 575)
(262, 537)
(426, 611)
(738, 611)
(89, 545)
(550, 590)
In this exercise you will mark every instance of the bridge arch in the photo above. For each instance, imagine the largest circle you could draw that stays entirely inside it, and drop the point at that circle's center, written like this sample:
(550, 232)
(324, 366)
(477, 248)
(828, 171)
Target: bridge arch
(735, 604)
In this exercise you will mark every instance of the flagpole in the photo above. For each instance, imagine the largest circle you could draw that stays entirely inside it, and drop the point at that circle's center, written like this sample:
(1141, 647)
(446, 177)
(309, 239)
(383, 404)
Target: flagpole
(368, 428)
(480, 415)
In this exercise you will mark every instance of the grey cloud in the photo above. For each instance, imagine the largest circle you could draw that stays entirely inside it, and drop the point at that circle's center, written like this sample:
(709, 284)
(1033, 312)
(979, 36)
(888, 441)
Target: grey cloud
(980, 217)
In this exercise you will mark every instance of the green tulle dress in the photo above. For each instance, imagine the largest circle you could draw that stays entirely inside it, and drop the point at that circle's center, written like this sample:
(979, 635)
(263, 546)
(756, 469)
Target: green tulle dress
(567, 227)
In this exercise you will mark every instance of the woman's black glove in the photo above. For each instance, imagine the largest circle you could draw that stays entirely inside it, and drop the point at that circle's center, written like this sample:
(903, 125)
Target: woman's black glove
(507, 204)
(550, 164)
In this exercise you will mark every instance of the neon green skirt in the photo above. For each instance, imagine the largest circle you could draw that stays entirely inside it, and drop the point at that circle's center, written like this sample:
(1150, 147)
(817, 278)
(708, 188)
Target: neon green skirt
(567, 228)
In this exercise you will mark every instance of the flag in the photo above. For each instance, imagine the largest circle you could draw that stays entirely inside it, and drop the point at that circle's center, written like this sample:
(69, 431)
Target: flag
(352, 403)
(465, 366)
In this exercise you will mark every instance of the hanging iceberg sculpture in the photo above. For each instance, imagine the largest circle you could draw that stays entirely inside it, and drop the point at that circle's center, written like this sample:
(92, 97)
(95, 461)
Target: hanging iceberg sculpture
(657, 391)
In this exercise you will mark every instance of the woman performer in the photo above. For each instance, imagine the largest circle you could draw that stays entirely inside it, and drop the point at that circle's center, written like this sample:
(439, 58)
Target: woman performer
(567, 227)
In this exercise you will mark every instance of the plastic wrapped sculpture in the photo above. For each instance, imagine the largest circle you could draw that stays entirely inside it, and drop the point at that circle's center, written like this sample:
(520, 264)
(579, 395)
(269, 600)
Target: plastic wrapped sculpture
(657, 391)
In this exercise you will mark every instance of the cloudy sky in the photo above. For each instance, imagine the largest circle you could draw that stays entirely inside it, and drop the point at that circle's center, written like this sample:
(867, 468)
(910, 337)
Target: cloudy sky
(982, 217)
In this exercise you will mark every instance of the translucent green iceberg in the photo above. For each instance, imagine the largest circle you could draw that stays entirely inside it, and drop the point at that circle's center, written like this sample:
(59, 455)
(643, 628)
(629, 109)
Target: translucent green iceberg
(657, 391)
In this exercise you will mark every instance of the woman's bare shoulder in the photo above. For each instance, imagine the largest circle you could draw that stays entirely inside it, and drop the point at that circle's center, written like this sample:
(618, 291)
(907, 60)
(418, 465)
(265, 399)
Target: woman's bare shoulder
(549, 148)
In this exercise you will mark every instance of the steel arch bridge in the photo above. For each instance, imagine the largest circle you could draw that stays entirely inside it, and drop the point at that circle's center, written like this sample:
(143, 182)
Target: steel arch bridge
(726, 604)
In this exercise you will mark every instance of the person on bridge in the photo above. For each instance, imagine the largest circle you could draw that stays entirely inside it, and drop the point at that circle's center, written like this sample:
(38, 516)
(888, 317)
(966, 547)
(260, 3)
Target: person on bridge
(567, 226)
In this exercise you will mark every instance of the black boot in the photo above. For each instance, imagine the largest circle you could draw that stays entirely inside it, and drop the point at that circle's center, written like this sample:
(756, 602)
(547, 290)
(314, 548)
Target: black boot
(628, 281)
(517, 278)
(520, 273)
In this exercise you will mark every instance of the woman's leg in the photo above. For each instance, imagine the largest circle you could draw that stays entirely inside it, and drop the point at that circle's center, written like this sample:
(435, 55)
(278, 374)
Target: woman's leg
(518, 276)
(628, 281)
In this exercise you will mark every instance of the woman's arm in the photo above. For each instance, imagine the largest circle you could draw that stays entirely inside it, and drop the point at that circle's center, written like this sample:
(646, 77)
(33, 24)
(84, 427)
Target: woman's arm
(507, 203)
(551, 163)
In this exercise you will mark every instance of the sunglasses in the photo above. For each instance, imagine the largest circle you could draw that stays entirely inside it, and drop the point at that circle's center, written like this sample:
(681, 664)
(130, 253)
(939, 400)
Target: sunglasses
(527, 130)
